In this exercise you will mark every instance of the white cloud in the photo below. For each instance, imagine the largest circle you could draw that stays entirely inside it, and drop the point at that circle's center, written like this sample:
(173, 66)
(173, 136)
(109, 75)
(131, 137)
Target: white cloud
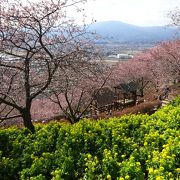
(139, 12)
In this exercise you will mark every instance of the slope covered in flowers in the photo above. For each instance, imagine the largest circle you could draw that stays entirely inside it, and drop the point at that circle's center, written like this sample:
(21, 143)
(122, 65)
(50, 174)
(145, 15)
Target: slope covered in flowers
(130, 147)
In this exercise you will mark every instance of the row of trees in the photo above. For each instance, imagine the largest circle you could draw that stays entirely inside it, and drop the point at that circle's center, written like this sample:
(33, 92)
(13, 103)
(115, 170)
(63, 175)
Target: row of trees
(158, 67)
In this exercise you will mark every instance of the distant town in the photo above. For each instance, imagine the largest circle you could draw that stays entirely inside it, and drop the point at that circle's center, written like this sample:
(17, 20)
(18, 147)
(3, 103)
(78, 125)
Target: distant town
(123, 51)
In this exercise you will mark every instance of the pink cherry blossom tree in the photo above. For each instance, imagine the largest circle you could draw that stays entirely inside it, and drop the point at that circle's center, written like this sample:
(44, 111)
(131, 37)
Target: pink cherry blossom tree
(163, 63)
(74, 86)
(157, 67)
(168, 54)
(34, 42)
(135, 71)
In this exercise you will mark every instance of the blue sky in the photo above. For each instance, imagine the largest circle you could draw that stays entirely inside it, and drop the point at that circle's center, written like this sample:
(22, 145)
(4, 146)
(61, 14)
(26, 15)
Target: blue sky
(138, 12)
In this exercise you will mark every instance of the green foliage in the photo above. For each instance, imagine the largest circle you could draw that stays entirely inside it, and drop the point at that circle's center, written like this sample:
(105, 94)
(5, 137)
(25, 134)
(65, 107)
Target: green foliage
(130, 147)
(175, 102)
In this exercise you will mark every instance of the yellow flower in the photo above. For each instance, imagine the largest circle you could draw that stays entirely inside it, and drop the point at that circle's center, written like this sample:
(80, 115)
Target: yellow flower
(115, 154)
(178, 170)
(145, 143)
(151, 170)
(159, 178)
(127, 177)
(89, 156)
(134, 145)
(121, 178)
(108, 177)
(162, 168)
(138, 163)
(119, 164)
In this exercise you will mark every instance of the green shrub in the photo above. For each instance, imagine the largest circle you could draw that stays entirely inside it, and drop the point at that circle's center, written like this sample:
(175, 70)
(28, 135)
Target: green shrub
(130, 147)
(175, 102)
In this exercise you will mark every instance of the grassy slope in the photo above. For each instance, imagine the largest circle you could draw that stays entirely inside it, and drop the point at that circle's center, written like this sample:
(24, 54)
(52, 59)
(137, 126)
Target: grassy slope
(130, 147)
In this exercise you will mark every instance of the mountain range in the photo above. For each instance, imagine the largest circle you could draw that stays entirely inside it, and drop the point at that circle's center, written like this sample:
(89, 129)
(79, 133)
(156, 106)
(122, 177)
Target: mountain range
(119, 32)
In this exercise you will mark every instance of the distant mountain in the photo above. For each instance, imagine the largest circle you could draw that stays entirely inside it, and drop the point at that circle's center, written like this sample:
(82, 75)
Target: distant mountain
(117, 31)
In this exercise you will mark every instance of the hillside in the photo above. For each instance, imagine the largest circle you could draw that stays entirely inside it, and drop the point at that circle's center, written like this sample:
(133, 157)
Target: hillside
(131, 147)
(117, 31)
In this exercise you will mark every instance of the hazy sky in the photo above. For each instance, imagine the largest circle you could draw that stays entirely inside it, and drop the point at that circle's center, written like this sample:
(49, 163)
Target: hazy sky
(138, 12)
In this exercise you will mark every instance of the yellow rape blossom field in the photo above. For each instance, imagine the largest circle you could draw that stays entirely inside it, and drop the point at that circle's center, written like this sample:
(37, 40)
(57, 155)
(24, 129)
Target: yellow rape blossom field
(128, 147)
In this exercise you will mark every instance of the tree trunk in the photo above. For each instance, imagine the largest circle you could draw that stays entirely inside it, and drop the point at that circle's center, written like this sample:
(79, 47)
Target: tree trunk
(142, 87)
(26, 115)
(142, 92)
